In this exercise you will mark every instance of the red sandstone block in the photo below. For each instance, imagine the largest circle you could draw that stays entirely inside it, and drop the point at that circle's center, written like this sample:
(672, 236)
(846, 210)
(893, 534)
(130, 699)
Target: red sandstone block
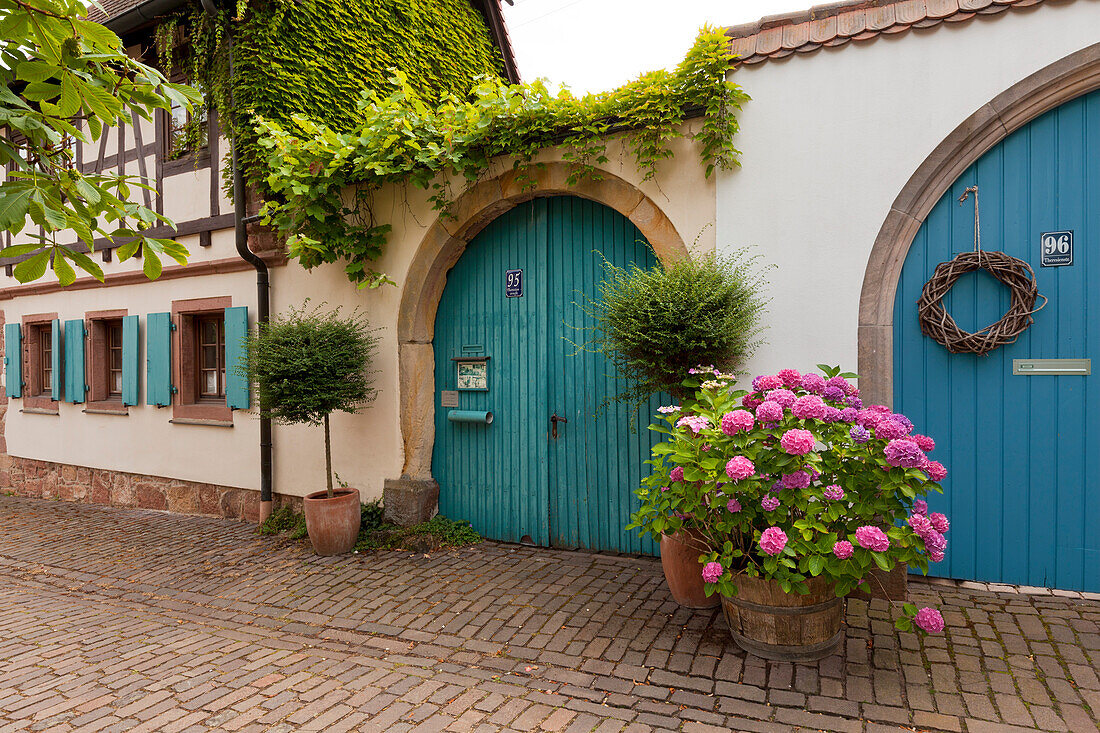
(149, 495)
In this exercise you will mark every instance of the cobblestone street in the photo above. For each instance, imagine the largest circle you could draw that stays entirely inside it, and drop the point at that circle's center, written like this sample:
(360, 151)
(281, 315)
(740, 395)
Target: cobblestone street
(131, 620)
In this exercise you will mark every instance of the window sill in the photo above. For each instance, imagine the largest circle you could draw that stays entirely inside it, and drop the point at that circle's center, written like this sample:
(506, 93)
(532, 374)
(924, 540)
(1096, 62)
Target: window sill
(198, 421)
(216, 412)
(106, 407)
(40, 411)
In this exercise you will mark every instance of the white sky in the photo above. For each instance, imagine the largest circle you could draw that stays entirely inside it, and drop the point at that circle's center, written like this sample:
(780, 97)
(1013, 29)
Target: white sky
(594, 45)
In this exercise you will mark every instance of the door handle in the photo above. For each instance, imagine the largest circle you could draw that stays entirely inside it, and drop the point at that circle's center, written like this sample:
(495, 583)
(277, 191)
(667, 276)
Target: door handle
(554, 420)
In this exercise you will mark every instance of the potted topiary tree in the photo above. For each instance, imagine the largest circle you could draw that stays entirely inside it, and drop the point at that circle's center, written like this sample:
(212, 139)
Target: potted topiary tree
(655, 325)
(306, 365)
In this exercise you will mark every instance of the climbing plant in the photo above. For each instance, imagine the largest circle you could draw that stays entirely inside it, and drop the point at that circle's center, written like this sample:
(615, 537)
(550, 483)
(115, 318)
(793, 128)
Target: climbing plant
(321, 179)
(315, 57)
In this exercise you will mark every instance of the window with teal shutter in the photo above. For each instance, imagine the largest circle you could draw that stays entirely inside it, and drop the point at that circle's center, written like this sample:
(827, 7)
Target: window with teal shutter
(236, 383)
(131, 362)
(75, 386)
(158, 359)
(13, 359)
(56, 371)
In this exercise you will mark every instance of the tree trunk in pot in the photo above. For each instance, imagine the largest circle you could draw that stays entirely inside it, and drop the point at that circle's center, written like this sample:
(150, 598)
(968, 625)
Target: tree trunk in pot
(683, 571)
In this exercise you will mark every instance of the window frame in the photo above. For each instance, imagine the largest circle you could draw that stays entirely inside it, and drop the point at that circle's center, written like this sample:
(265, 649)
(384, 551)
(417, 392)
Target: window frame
(198, 157)
(188, 403)
(36, 327)
(98, 361)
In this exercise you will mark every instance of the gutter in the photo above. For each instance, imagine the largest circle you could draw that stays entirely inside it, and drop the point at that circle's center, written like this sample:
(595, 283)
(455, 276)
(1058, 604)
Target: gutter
(263, 282)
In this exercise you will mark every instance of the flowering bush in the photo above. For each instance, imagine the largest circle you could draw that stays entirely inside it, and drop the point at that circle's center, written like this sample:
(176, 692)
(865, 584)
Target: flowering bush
(794, 479)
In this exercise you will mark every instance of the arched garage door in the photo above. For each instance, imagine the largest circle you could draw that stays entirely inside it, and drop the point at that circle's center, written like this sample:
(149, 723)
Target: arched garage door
(509, 339)
(1022, 451)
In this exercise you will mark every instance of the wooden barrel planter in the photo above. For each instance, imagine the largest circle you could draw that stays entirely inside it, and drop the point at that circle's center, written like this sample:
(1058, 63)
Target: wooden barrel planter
(787, 627)
(683, 572)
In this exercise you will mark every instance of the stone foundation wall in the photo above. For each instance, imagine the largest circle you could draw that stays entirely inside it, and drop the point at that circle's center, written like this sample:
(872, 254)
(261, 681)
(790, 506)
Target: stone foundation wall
(47, 480)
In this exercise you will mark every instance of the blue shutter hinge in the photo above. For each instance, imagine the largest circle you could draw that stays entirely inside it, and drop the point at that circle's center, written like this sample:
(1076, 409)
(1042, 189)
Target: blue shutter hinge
(172, 389)
(171, 326)
(86, 388)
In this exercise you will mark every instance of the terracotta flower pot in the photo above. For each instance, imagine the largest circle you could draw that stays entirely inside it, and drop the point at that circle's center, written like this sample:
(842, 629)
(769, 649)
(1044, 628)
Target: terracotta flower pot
(769, 623)
(683, 571)
(333, 524)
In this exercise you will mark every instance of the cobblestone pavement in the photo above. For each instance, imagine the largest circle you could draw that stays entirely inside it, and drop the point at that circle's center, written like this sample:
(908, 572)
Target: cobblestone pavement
(116, 619)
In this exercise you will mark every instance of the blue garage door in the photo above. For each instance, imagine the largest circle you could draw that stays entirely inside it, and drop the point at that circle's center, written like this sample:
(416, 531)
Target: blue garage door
(524, 477)
(1021, 450)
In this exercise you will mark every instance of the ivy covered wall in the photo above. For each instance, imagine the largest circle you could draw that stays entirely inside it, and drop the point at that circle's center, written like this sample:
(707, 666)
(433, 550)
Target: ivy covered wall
(315, 57)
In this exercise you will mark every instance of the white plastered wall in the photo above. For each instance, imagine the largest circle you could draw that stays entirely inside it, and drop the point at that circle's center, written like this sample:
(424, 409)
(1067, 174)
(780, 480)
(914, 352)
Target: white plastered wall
(830, 139)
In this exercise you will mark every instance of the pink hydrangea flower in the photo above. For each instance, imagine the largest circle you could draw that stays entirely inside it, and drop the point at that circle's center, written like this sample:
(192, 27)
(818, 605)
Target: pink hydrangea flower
(791, 377)
(843, 549)
(834, 492)
(739, 468)
(935, 471)
(773, 540)
(668, 409)
(798, 442)
(905, 453)
(929, 619)
(796, 480)
(920, 524)
(769, 503)
(737, 421)
(664, 488)
(831, 414)
(880, 410)
(832, 393)
(839, 382)
(810, 407)
(939, 522)
(766, 382)
(933, 540)
(936, 555)
(769, 412)
(695, 423)
(712, 572)
(920, 506)
(814, 383)
(784, 397)
(890, 429)
(733, 506)
(872, 538)
(703, 369)
(677, 474)
(751, 401)
(925, 443)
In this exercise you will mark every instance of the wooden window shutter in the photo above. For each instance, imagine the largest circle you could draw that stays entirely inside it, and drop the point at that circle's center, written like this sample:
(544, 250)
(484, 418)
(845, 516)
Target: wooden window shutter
(158, 359)
(236, 383)
(75, 386)
(131, 361)
(13, 359)
(55, 359)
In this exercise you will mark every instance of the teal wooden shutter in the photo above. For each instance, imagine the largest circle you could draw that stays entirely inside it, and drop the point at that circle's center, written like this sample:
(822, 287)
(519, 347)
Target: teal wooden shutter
(131, 362)
(55, 359)
(75, 387)
(236, 383)
(158, 359)
(13, 359)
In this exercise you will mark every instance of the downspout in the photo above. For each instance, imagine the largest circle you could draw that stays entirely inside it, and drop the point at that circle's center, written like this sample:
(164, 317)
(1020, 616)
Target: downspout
(263, 287)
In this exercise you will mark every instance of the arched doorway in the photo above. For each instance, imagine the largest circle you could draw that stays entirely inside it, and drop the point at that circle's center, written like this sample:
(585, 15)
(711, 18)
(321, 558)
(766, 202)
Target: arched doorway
(559, 461)
(1018, 446)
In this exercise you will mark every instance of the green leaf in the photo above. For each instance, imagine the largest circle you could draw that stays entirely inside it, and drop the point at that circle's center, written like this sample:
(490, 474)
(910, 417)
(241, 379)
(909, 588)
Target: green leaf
(70, 97)
(15, 202)
(33, 268)
(18, 250)
(150, 263)
(62, 269)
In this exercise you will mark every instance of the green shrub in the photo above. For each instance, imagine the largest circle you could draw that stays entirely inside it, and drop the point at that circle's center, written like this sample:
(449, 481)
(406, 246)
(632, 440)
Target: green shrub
(655, 324)
(308, 364)
(285, 519)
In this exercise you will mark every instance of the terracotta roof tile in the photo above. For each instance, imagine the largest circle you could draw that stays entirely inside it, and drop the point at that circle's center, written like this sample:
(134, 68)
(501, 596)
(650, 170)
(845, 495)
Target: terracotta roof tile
(778, 36)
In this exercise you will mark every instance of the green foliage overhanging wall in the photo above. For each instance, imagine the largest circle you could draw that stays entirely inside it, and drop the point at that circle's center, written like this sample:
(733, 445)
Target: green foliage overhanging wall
(322, 178)
(315, 57)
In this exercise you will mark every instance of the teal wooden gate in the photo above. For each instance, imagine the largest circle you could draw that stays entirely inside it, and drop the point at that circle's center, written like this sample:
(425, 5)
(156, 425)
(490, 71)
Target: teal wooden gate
(1019, 449)
(512, 478)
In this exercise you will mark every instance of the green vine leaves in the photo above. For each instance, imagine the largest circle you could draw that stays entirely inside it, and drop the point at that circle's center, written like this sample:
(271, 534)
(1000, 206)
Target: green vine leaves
(321, 181)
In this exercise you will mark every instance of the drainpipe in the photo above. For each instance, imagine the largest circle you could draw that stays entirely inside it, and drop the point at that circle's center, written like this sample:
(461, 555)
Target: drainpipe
(263, 287)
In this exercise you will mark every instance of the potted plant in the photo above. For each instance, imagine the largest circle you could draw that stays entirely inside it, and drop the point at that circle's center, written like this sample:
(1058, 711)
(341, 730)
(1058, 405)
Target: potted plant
(798, 491)
(306, 365)
(653, 325)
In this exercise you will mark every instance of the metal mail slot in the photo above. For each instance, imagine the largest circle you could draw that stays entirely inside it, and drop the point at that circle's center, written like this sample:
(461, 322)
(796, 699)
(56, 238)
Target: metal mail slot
(1052, 367)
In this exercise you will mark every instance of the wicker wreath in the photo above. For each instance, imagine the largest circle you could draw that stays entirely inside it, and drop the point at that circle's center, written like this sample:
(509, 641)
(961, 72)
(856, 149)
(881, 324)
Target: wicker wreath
(937, 323)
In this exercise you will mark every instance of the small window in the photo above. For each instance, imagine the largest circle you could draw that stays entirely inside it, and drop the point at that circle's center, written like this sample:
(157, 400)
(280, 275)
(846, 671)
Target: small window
(114, 359)
(186, 131)
(210, 357)
(44, 335)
